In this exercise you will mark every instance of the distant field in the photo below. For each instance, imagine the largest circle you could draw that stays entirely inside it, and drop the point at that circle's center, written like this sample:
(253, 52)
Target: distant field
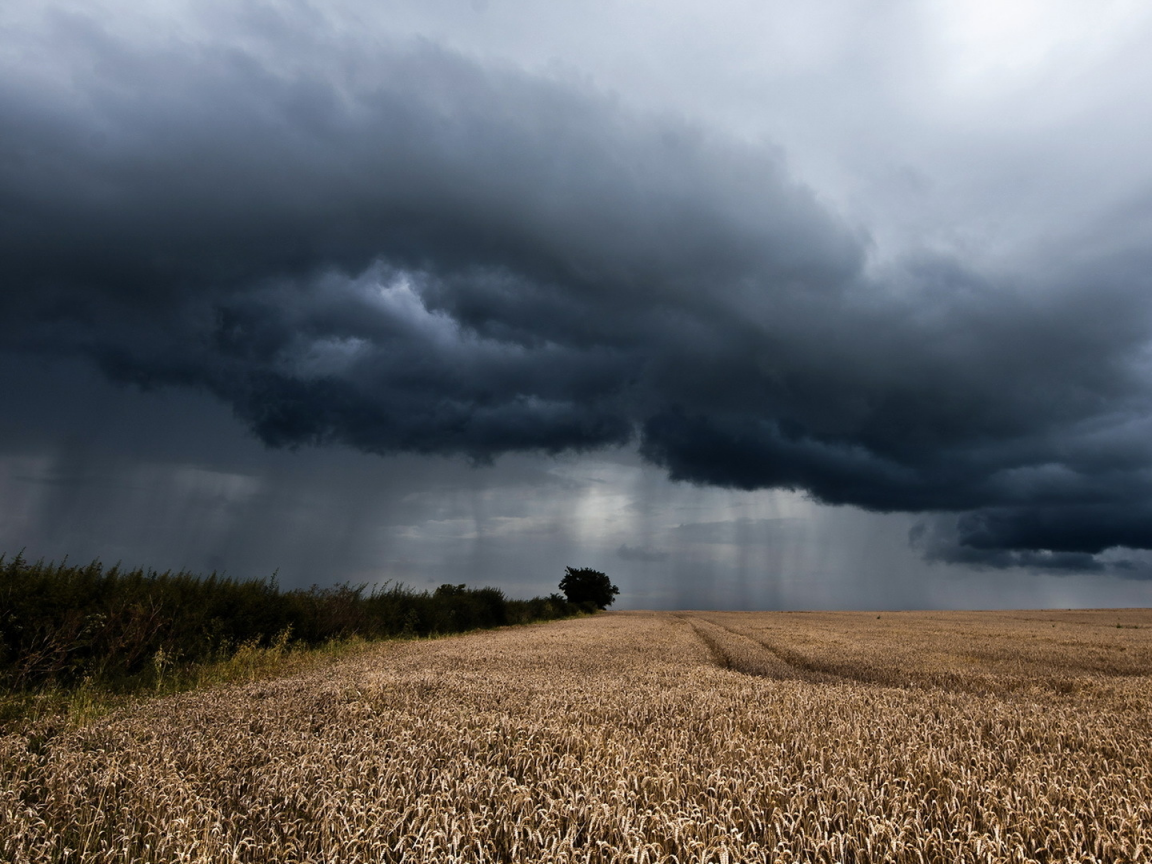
(981, 736)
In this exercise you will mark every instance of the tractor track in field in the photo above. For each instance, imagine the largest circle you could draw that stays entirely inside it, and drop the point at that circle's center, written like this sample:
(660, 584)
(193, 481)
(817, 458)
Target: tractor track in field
(741, 652)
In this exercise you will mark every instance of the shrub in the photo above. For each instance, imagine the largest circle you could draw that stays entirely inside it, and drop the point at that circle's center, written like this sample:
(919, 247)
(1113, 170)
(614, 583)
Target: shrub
(62, 624)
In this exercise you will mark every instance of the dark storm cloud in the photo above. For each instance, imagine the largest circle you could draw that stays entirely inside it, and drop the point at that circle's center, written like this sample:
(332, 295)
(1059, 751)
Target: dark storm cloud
(966, 540)
(407, 250)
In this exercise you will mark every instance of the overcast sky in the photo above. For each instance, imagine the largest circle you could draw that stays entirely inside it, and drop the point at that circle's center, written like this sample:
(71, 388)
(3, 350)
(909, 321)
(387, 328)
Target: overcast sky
(749, 304)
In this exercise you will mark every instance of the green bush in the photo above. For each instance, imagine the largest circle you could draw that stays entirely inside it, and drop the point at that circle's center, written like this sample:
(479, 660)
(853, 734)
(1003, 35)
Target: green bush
(64, 624)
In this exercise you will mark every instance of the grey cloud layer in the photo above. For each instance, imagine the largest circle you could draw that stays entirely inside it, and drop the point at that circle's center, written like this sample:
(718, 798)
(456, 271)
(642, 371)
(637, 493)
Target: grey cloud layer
(416, 251)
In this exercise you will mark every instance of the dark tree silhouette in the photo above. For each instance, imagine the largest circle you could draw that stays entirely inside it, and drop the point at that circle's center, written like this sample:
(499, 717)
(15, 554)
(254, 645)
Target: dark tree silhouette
(585, 585)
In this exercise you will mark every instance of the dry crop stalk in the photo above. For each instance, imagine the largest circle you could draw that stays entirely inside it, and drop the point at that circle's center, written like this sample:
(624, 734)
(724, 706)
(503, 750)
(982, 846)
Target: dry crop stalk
(630, 737)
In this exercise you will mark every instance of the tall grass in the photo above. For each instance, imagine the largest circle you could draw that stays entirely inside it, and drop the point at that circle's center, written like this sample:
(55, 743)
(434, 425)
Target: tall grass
(67, 626)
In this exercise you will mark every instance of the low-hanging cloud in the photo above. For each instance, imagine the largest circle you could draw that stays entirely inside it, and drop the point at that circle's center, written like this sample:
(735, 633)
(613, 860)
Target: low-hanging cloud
(410, 250)
(641, 553)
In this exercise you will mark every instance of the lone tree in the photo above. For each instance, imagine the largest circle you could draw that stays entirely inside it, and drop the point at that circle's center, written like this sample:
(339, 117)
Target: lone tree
(585, 585)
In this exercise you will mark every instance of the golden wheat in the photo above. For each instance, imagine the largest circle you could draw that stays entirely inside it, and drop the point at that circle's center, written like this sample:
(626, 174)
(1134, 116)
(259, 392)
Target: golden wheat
(638, 737)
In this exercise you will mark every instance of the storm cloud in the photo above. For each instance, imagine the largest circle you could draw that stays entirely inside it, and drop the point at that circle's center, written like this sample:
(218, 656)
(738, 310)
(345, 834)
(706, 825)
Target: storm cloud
(411, 249)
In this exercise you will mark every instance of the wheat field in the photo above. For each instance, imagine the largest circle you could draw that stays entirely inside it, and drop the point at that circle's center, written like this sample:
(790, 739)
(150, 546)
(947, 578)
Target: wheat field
(630, 737)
